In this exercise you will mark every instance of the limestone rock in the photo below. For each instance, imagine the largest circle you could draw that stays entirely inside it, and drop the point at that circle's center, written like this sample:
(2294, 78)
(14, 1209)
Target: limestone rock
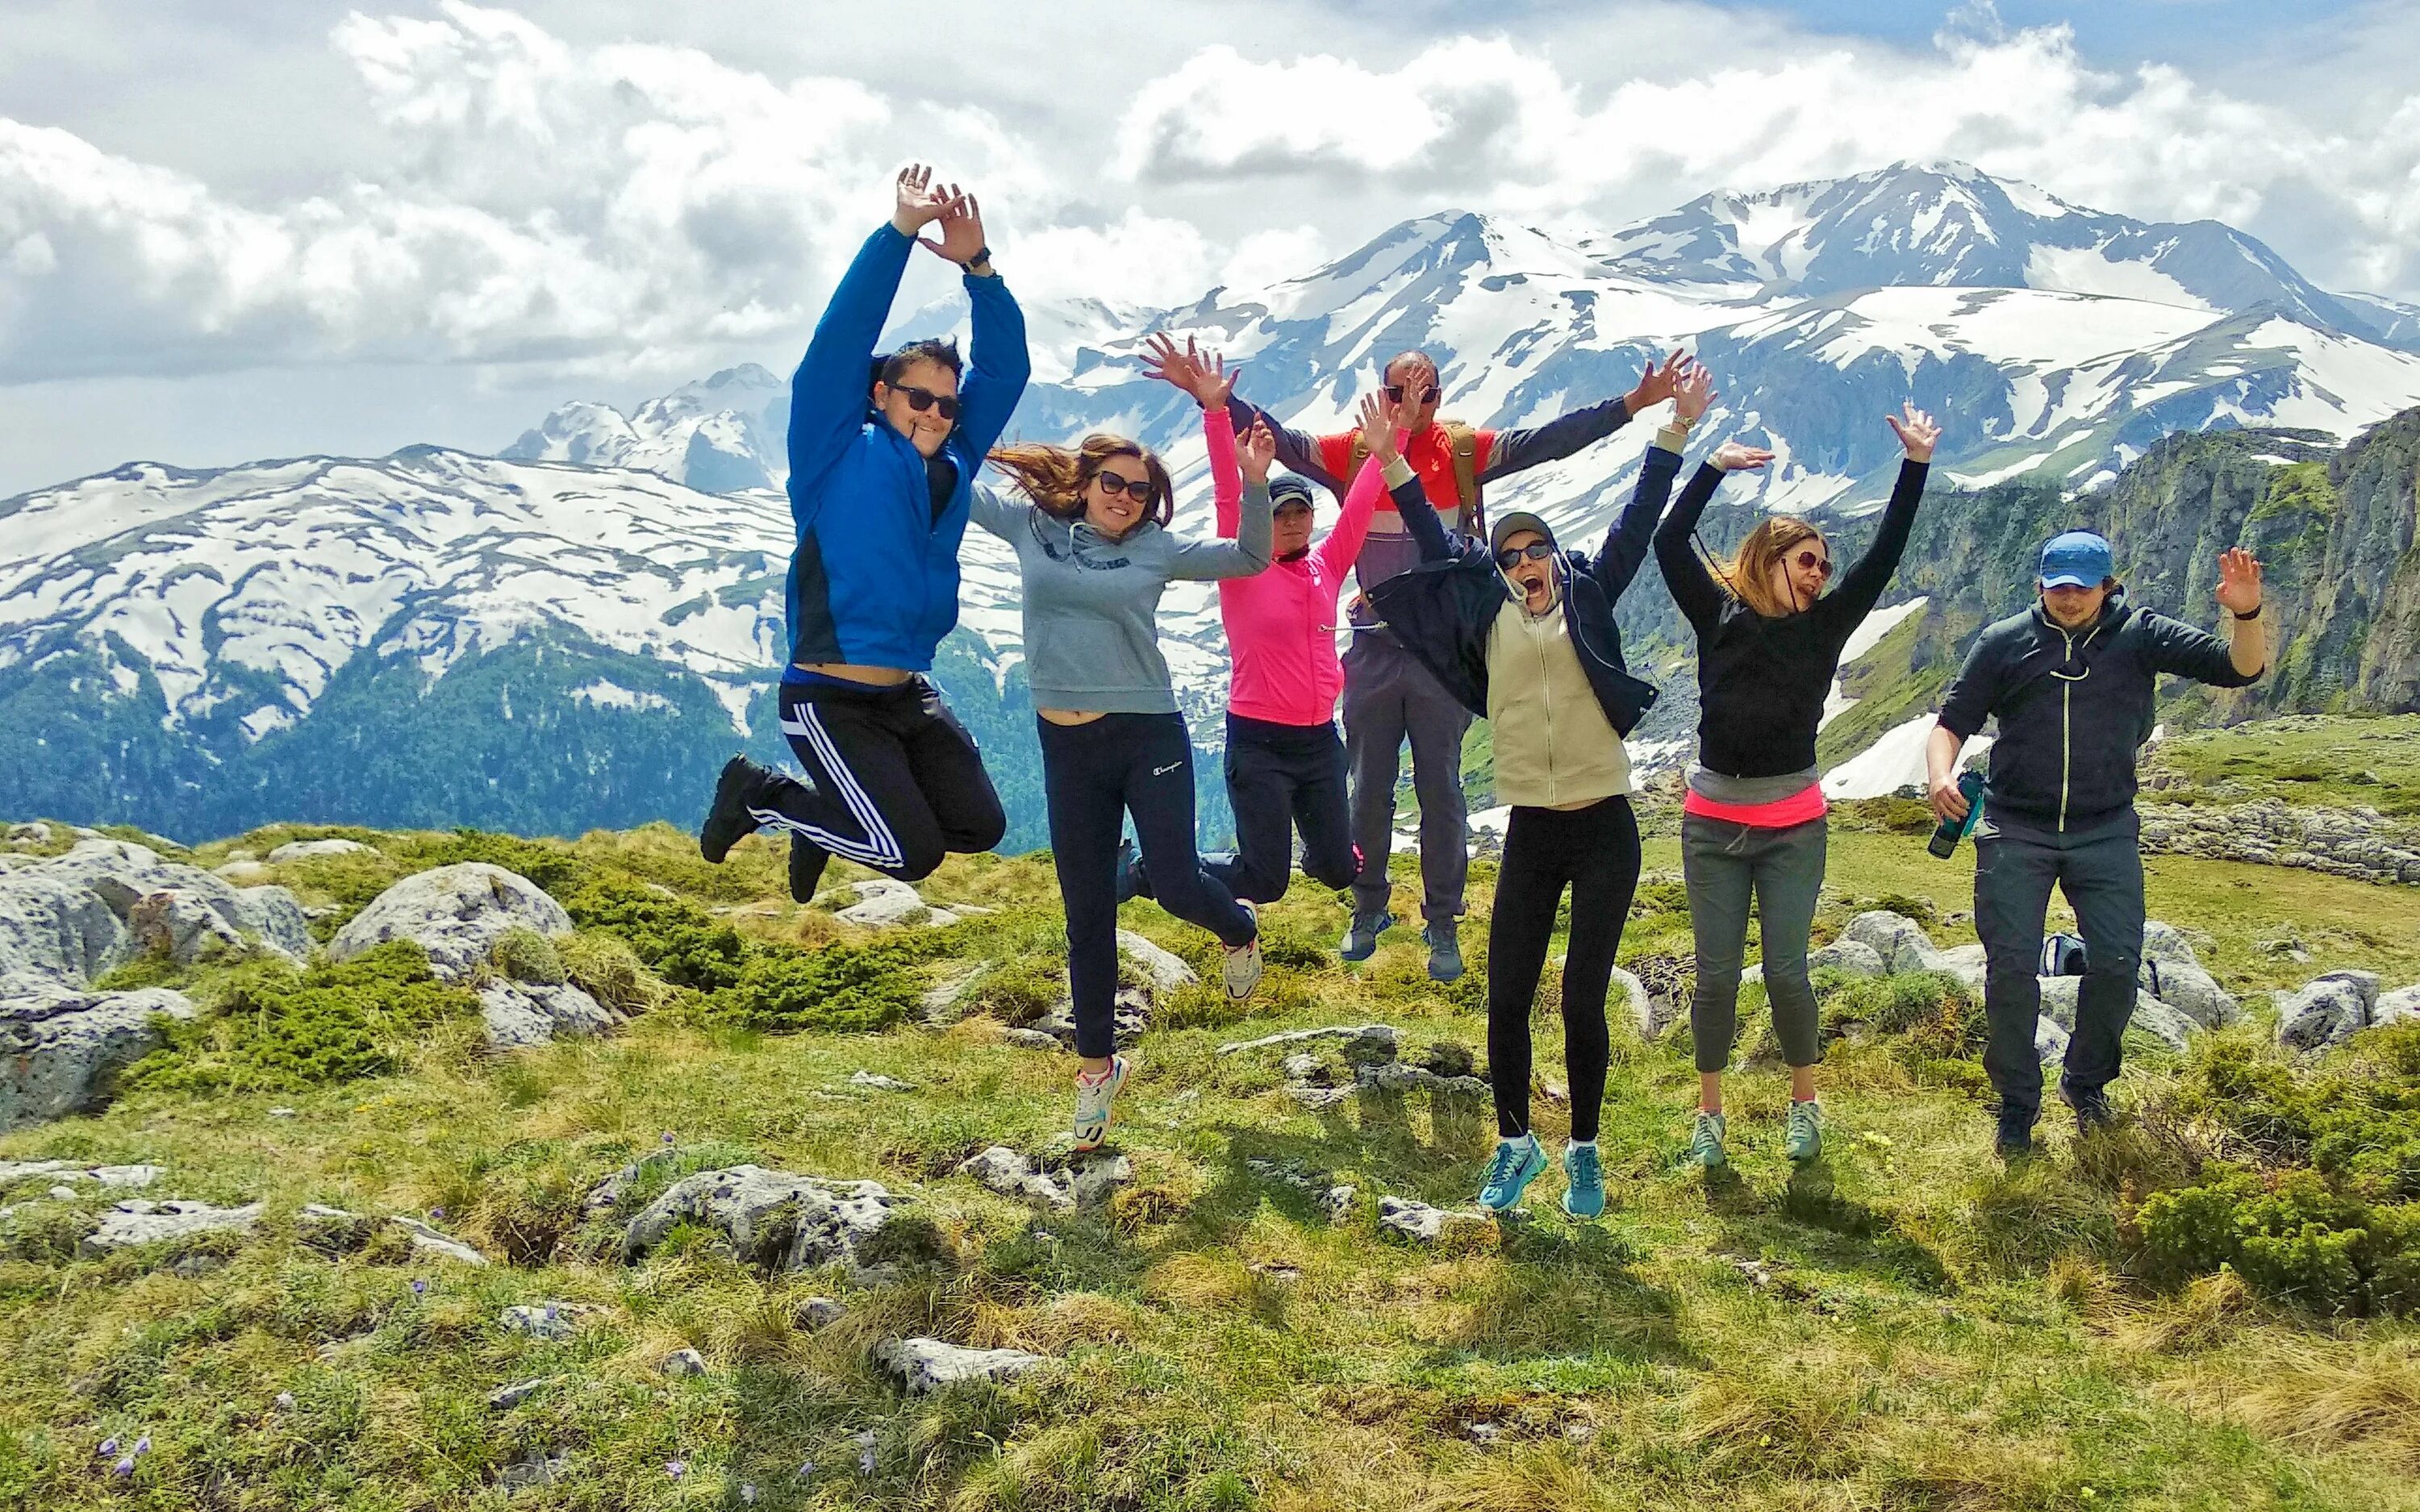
(1336, 1202)
(1164, 970)
(2395, 1007)
(1900, 941)
(939, 1006)
(2184, 986)
(775, 1219)
(118, 1178)
(243, 874)
(36, 833)
(175, 924)
(2327, 1012)
(455, 913)
(886, 903)
(333, 1231)
(136, 1222)
(552, 1321)
(61, 1046)
(1303, 1069)
(1404, 1218)
(121, 874)
(877, 1081)
(1364, 1044)
(1394, 1076)
(2153, 1017)
(436, 1245)
(503, 1398)
(681, 1363)
(55, 928)
(1967, 963)
(1651, 1013)
(303, 850)
(819, 1312)
(924, 1364)
(1853, 958)
(276, 915)
(2165, 944)
(1034, 1039)
(1083, 1180)
(520, 1013)
(1129, 1017)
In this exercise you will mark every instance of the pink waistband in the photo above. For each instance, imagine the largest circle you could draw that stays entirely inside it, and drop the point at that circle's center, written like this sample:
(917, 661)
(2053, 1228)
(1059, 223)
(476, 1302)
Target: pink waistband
(1780, 813)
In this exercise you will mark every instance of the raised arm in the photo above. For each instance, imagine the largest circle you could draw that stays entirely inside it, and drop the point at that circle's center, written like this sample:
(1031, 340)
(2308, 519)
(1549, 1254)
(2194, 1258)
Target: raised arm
(1626, 540)
(1201, 557)
(1206, 377)
(1861, 587)
(1340, 548)
(988, 510)
(1182, 366)
(1509, 451)
(831, 389)
(1692, 586)
(998, 361)
(2234, 661)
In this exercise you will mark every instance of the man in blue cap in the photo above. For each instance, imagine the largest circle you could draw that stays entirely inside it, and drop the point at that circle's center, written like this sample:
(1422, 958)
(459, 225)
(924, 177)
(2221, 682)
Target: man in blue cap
(2071, 682)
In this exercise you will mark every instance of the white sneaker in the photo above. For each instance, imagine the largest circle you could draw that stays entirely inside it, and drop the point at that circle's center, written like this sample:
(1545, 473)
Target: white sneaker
(1093, 1101)
(1243, 968)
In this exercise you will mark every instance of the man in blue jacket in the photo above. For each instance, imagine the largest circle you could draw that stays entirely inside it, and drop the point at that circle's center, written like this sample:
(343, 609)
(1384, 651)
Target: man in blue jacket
(895, 783)
(2072, 683)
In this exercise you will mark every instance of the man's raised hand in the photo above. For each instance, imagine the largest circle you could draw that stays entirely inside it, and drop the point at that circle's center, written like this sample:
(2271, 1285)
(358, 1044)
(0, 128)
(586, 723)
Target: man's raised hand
(1380, 416)
(919, 202)
(1733, 457)
(1257, 450)
(962, 228)
(1692, 394)
(1916, 430)
(2239, 581)
(1656, 384)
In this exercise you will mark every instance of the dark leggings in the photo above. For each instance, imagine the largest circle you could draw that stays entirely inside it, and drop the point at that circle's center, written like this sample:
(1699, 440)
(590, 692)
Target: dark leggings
(1281, 778)
(894, 782)
(1094, 775)
(1595, 851)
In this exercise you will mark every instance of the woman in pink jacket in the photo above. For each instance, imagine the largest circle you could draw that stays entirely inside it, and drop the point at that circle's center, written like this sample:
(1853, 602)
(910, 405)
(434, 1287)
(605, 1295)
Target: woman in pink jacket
(1285, 763)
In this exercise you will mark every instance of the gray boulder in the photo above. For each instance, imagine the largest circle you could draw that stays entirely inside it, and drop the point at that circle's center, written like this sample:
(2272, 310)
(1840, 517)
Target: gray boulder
(1404, 1218)
(60, 1046)
(2159, 1020)
(550, 1321)
(2184, 986)
(2050, 1040)
(682, 1363)
(1164, 970)
(1652, 1014)
(1853, 957)
(2165, 943)
(136, 1223)
(174, 924)
(1077, 1182)
(886, 903)
(36, 833)
(455, 913)
(2329, 1011)
(520, 1013)
(924, 1364)
(1129, 1017)
(275, 916)
(1967, 963)
(1364, 1043)
(773, 1218)
(2395, 1007)
(1900, 941)
(55, 928)
(303, 850)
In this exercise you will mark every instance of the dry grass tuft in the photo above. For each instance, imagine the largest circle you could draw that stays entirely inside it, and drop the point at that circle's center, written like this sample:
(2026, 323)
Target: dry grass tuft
(2348, 1396)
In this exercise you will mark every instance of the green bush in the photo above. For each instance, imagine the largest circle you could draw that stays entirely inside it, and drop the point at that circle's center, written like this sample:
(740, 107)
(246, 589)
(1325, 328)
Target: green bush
(1935, 1013)
(276, 1029)
(606, 969)
(851, 987)
(1019, 992)
(2289, 1235)
(673, 937)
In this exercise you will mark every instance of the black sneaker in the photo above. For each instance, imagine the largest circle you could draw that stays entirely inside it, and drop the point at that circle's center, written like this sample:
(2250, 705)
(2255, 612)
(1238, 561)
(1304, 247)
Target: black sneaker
(2015, 1140)
(807, 862)
(736, 792)
(2093, 1112)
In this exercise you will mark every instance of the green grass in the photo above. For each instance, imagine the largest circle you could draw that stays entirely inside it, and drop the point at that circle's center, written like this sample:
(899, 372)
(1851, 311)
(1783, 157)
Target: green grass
(2314, 758)
(1927, 1333)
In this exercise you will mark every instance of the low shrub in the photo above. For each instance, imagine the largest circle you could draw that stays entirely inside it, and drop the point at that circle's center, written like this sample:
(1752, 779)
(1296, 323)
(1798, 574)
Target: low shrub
(274, 1028)
(851, 987)
(2289, 1235)
(1934, 1014)
(606, 969)
(1020, 990)
(672, 937)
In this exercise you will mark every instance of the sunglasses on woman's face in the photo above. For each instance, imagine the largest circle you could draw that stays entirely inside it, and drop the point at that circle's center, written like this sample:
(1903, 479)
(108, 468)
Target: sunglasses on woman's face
(1809, 561)
(1512, 556)
(921, 400)
(1395, 393)
(1112, 485)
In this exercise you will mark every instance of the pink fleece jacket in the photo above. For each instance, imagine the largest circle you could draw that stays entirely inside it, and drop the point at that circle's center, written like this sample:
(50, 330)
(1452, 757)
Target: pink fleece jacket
(1282, 623)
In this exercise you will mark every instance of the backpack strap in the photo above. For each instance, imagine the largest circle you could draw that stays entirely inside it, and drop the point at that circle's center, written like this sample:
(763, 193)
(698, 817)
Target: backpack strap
(1355, 456)
(1465, 478)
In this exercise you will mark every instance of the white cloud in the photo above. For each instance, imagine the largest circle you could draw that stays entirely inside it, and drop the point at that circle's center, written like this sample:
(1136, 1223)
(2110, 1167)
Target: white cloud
(1267, 256)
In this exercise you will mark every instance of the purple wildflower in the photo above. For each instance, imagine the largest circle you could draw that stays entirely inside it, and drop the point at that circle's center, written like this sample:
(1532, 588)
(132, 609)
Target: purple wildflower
(668, 1136)
(419, 1288)
(677, 1469)
(142, 1445)
(124, 1467)
(437, 1215)
(108, 1447)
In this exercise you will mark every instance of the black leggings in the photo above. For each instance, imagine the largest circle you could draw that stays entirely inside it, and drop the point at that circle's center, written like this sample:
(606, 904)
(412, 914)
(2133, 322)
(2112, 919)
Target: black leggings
(1284, 778)
(1093, 776)
(894, 780)
(1593, 851)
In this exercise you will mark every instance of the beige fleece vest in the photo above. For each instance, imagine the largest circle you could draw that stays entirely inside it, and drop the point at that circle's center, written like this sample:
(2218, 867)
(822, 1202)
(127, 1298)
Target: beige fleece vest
(1554, 747)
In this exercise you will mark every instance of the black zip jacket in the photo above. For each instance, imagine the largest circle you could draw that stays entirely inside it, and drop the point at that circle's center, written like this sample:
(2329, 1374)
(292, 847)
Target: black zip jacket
(1761, 681)
(1443, 608)
(2075, 706)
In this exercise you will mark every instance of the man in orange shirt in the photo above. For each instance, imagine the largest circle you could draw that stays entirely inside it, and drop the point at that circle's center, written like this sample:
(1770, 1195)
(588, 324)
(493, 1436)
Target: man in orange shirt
(1388, 697)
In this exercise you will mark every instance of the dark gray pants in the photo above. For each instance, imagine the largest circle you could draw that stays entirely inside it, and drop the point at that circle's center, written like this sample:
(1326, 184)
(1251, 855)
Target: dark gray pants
(1723, 863)
(2102, 879)
(1388, 697)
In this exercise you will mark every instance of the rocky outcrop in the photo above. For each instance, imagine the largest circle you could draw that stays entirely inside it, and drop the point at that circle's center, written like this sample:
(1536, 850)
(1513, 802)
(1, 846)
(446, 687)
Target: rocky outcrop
(1421, 1224)
(455, 914)
(1371, 1042)
(520, 1013)
(775, 1219)
(924, 1364)
(2329, 1011)
(62, 1047)
(304, 850)
(884, 902)
(2360, 843)
(133, 1223)
(1062, 1184)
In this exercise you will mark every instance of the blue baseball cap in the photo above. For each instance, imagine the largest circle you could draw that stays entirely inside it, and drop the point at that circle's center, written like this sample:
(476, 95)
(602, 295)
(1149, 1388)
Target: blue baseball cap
(2077, 558)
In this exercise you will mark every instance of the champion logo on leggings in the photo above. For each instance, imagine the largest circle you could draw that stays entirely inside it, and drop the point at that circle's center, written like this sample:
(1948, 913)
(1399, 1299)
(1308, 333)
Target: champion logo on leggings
(878, 848)
(1163, 771)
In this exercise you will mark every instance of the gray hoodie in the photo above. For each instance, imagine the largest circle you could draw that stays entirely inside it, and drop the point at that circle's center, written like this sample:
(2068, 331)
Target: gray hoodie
(1092, 642)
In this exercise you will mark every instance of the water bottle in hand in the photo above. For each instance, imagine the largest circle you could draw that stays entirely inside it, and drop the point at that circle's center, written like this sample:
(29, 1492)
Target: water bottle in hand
(1945, 837)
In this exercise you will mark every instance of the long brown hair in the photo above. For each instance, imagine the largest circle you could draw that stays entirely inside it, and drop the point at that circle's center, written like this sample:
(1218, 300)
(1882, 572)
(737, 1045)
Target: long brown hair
(1748, 574)
(1055, 477)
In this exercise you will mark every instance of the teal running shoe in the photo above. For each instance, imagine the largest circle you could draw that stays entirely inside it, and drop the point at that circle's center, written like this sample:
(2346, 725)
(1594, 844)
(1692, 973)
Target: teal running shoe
(1706, 1141)
(1583, 1182)
(1518, 1163)
(1805, 1139)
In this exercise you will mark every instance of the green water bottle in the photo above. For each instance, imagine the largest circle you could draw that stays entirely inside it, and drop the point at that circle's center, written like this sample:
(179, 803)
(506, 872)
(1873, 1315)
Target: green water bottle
(1945, 837)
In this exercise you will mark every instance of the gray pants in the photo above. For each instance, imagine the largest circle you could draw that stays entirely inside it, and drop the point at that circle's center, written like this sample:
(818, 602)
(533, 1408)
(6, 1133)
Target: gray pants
(1723, 863)
(2103, 878)
(1387, 697)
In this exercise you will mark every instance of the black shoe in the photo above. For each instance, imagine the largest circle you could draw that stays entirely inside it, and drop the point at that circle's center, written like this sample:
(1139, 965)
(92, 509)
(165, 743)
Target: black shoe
(736, 792)
(2093, 1112)
(807, 862)
(2015, 1140)
(1133, 880)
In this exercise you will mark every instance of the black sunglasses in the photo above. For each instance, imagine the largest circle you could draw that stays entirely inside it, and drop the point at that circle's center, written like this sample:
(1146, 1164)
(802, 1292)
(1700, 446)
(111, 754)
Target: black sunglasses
(1395, 393)
(1113, 485)
(921, 400)
(1809, 561)
(1512, 556)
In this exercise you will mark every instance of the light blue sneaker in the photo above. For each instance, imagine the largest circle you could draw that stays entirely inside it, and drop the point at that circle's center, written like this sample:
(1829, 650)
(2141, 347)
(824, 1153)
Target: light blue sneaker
(1518, 1163)
(1583, 1182)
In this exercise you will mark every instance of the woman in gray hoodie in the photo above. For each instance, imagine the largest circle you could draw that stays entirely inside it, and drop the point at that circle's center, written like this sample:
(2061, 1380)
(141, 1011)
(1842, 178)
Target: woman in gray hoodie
(1095, 552)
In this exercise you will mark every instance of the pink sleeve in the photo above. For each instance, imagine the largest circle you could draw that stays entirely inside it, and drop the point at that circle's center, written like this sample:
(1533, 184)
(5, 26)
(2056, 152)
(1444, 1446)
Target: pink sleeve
(1342, 545)
(1226, 477)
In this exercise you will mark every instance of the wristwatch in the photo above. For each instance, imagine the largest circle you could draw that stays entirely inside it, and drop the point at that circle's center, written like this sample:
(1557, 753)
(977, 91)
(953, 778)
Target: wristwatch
(980, 260)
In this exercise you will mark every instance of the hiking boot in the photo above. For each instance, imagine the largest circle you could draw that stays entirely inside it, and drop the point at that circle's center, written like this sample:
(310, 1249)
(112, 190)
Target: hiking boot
(2015, 1140)
(1133, 880)
(1518, 1163)
(1706, 1141)
(1241, 968)
(2093, 1112)
(1805, 1140)
(1444, 950)
(1583, 1181)
(807, 862)
(1093, 1097)
(742, 787)
(1361, 935)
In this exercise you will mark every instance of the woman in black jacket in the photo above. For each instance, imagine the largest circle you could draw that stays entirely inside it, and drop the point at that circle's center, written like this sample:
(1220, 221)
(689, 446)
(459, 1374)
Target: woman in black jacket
(1523, 633)
(1768, 642)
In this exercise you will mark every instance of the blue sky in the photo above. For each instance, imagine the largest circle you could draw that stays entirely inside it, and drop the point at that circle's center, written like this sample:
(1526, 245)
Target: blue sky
(288, 226)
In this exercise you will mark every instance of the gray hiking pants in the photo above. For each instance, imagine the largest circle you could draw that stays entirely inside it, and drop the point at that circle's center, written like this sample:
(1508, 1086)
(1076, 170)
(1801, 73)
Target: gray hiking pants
(2103, 878)
(1389, 697)
(1723, 863)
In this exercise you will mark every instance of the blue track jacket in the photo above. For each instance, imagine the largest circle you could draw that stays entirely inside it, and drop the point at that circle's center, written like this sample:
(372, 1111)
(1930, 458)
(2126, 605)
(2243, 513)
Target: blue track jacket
(874, 578)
